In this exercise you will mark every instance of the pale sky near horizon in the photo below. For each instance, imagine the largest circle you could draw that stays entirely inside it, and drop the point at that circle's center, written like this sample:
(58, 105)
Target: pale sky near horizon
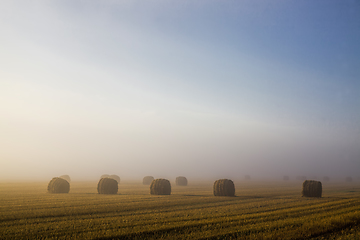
(168, 88)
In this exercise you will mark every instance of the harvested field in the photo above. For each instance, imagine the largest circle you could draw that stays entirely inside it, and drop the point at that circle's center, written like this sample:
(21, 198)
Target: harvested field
(261, 210)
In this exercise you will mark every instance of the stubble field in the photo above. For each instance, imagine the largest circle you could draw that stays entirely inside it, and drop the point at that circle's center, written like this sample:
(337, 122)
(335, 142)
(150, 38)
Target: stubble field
(260, 210)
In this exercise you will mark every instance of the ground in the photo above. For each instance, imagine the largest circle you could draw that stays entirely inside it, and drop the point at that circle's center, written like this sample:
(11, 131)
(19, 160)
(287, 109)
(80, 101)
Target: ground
(260, 210)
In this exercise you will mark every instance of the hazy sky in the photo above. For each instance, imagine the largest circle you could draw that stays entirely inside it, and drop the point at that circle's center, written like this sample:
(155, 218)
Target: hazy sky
(168, 88)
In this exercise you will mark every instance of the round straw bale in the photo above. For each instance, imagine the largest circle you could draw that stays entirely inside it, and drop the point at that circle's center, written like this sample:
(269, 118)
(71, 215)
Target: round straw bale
(181, 181)
(326, 179)
(66, 177)
(58, 185)
(348, 179)
(107, 186)
(286, 178)
(115, 177)
(224, 187)
(147, 180)
(160, 187)
(301, 178)
(311, 188)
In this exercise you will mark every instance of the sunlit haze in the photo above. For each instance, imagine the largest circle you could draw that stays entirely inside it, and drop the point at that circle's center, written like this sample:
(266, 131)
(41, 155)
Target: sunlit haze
(203, 89)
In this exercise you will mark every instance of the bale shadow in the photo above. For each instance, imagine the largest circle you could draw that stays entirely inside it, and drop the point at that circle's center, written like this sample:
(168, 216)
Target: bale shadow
(196, 195)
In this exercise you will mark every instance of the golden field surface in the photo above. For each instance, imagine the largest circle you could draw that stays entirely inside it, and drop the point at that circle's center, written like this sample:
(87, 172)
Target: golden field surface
(260, 210)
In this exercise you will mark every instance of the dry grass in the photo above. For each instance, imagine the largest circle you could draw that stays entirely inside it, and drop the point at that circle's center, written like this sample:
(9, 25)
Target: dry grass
(147, 180)
(265, 210)
(66, 177)
(224, 187)
(311, 188)
(348, 179)
(107, 186)
(115, 177)
(181, 181)
(160, 187)
(58, 185)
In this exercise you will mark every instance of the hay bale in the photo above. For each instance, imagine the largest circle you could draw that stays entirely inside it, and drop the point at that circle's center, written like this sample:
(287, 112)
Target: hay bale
(247, 177)
(286, 178)
(301, 178)
(181, 181)
(224, 187)
(66, 177)
(58, 185)
(147, 180)
(326, 179)
(115, 177)
(348, 179)
(311, 188)
(107, 186)
(160, 187)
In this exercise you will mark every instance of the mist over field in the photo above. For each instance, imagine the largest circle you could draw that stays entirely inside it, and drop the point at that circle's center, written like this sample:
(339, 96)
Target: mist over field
(204, 90)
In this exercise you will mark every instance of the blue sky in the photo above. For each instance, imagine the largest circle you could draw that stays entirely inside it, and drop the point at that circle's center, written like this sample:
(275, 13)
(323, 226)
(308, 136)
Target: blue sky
(229, 87)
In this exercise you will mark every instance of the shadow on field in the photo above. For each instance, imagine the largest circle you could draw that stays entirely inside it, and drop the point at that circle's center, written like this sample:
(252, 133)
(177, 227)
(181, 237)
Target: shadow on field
(339, 198)
(86, 193)
(259, 197)
(196, 195)
(251, 197)
(97, 194)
